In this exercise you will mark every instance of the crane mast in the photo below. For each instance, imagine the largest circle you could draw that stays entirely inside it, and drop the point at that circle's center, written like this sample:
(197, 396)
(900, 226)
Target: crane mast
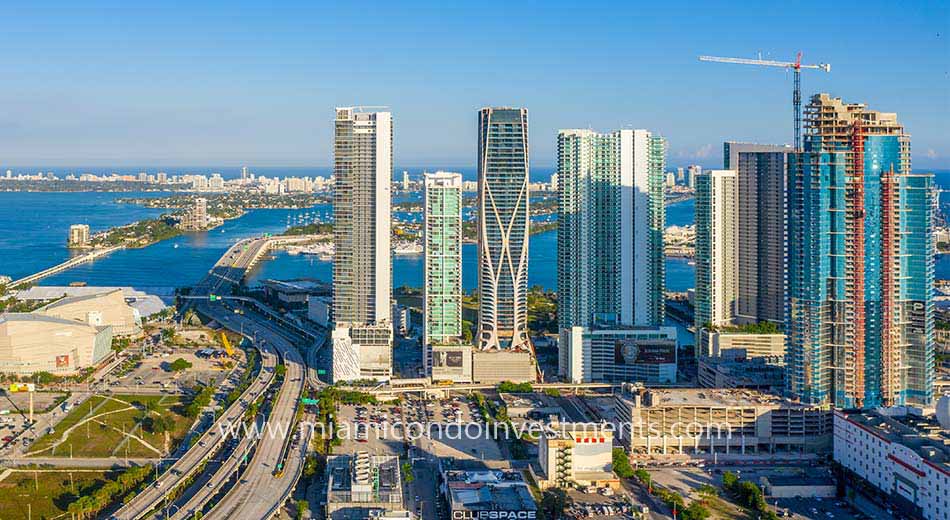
(796, 67)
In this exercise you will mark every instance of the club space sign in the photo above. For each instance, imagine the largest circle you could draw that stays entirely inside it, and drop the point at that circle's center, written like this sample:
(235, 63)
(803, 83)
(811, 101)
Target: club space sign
(494, 515)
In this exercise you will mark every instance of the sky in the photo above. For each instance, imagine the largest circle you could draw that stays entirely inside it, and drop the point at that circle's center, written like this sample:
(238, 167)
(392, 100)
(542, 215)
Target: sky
(235, 83)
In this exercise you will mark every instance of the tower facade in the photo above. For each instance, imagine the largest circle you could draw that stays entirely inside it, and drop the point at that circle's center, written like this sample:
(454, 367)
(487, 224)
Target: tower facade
(362, 265)
(611, 215)
(860, 315)
(761, 234)
(442, 236)
(503, 229)
(717, 248)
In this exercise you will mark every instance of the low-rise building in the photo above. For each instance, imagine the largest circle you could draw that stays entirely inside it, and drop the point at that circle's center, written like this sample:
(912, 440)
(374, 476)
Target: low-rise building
(614, 354)
(572, 454)
(491, 367)
(902, 453)
(362, 352)
(294, 294)
(723, 423)
(488, 495)
(451, 362)
(715, 343)
(98, 309)
(361, 486)
(33, 342)
(737, 371)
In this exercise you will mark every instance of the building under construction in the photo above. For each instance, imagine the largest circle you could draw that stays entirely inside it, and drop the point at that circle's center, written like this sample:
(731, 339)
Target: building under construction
(860, 266)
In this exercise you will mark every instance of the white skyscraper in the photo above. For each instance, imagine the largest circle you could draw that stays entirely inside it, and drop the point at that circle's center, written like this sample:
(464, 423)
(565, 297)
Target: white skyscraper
(717, 248)
(362, 264)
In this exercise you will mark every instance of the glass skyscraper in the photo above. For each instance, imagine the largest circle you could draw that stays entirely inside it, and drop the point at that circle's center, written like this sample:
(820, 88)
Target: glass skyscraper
(717, 248)
(503, 229)
(860, 317)
(442, 230)
(611, 216)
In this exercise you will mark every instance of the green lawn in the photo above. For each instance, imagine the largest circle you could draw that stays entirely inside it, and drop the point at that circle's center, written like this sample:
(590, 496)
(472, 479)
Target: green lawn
(101, 436)
(51, 498)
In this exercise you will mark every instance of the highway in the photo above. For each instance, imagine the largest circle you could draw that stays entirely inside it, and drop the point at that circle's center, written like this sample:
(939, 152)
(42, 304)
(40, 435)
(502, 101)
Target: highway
(260, 490)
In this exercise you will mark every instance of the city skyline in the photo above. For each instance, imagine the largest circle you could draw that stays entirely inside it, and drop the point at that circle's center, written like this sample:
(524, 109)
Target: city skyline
(212, 94)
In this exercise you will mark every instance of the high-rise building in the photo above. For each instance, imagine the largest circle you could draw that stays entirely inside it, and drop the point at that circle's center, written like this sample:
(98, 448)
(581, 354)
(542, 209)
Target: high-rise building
(243, 174)
(78, 235)
(503, 228)
(362, 265)
(503, 221)
(860, 263)
(717, 262)
(691, 172)
(442, 285)
(670, 179)
(761, 172)
(405, 180)
(611, 216)
(679, 176)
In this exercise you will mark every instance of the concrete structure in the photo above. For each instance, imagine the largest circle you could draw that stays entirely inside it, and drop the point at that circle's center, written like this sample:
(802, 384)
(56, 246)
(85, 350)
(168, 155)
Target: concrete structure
(764, 373)
(451, 362)
(488, 494)
(761, 234)
(861, 262)
(807, 486)
(98, 309)
(442, 273)
(611, 353)
(495, 367)
(78, 235)
(611, 217)
(503, 230)
(719, 342)
(717, 252)
(708, 423)
(362, 485)
(902, 453)
(146, 303)
(362, 352)
(294, 294)
(362, 261)
(32, 342)
(320, 310)
(571, 454)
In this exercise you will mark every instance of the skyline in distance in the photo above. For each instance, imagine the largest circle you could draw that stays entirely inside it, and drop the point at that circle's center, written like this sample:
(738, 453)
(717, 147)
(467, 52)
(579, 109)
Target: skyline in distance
(134, 86)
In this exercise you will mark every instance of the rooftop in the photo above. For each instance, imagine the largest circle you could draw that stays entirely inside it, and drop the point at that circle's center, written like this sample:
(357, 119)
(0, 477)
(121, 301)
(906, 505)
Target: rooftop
(713, 397)
(905, 427)
(489, 490)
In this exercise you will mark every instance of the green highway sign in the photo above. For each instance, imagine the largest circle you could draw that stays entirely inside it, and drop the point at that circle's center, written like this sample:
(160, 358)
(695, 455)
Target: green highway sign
(306, 400)
(321, 372)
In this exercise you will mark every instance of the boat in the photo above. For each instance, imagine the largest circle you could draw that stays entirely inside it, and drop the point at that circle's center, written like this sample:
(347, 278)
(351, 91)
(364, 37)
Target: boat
(175, 246)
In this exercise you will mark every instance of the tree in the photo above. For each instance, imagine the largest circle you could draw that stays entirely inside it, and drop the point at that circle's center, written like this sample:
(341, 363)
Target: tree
(621, 464)
(695, 511)
(553, 503)
(302, 505)
(180, 365)
(729, 481)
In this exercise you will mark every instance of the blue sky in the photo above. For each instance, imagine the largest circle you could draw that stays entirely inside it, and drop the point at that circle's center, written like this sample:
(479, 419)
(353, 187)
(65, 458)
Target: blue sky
(234, 83)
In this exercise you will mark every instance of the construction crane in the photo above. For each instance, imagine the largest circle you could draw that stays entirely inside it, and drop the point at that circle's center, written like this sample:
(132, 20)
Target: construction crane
(796, 67)
(227, 345)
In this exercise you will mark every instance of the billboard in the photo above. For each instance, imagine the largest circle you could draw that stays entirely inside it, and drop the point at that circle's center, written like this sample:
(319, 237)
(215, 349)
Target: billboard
(644, 352)
(62, 361)
(447, 358)
(22, 387)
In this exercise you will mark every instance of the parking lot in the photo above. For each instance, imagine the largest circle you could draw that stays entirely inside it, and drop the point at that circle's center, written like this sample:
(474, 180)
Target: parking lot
(369, 428)
(155, 370)
(597, 506)
(456, 429)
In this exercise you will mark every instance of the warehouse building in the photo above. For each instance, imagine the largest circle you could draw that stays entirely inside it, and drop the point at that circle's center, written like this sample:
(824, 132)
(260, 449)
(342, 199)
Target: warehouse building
(717, 423)
(31, 342)
(488, 494)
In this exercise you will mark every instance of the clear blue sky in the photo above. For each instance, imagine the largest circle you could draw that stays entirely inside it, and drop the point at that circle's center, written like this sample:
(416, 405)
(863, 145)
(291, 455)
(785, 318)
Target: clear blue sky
(233, 83)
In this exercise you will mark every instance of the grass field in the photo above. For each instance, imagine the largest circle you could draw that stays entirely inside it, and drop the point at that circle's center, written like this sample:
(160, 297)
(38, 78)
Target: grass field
(51, 498)
(102, 435)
